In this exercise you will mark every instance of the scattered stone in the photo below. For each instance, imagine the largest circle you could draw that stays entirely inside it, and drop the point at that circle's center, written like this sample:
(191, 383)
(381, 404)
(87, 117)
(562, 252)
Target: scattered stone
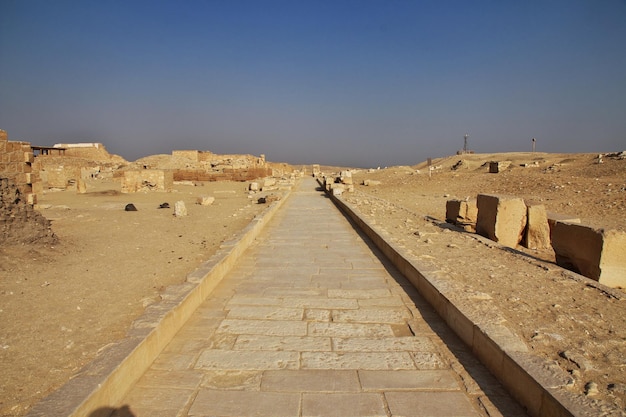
(370, 183)
(591, 389)
(180, 210)
(164, 205)
(130, 207)
(204, 200)
(254, 186)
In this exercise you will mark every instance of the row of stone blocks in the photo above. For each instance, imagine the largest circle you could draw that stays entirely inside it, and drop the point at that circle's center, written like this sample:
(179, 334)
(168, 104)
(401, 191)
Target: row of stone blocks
(595, 253)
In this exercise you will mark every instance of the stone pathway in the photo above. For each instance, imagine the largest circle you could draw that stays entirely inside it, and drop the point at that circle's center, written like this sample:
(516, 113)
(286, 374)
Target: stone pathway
(311, 323)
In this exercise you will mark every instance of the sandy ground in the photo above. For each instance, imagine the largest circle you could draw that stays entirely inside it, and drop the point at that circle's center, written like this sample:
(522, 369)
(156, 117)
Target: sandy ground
(577, 327)
(60, 305)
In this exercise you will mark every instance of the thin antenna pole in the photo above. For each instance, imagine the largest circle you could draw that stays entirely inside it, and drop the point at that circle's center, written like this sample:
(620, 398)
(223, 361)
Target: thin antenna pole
(465, 143)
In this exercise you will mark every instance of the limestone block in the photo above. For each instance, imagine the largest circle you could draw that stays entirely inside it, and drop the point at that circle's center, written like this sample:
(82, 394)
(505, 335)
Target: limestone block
(337, 189)
(205, 200)
(180, 210)
(254, 186)
(463, 213)
(81, 186)
(370, 183)
(594, 253)
(498, 166)
(537, 234)
(501, 218)
(556, 217)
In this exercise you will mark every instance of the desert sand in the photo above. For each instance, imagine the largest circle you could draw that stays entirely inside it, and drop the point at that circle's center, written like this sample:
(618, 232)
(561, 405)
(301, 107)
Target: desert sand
(62, 303)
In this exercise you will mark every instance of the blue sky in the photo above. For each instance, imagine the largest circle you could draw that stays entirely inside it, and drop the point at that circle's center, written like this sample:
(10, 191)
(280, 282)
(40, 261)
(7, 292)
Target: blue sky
(361, 83)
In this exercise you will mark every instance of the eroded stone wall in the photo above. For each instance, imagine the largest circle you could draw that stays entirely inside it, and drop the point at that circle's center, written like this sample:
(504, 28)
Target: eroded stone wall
(19, 221)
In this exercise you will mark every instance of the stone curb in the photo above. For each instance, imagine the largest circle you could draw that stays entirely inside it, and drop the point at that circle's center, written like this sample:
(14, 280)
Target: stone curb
(104, 382)
(531, 380)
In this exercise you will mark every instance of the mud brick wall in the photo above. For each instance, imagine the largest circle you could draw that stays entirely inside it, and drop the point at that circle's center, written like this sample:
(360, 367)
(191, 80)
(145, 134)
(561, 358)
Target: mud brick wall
(19, 221)
(15, 164)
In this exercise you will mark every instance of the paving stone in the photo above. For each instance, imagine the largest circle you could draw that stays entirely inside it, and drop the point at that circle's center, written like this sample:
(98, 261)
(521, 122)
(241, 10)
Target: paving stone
(371, 315)
(349, 330)
(342, 405)
(246, 360)
(149, 400)
(282, 343)
(254, 301)
(313, 314)
(323, 303)
(429, 404)
(244, 403)
(393, 301)
(386, 344)
(225, 379)
(428, 360)
(302, 380)
(172, 361)
(408, 380)
(359, 294)
(264, 327)
(356, 360)
(265, 313)
(187, 379)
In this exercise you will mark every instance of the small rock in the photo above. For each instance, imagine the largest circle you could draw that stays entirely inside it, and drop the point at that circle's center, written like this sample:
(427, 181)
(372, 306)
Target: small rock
(591, 389)
(130, 207)
(164, 205)
(205, 200)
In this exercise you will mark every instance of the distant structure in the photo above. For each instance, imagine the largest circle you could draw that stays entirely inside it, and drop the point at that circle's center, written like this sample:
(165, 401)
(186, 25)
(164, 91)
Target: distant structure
(534, 142)
(464, 150)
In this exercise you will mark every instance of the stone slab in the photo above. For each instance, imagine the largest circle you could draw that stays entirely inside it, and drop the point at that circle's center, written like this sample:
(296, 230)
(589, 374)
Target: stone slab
(430, 404)
(282, 343)
(342, 405)
(244, 403)
(387, 344)
(349, 330)
(443, 380)
(354, 360)
(246, 360)
(264, 327)
(322, 380)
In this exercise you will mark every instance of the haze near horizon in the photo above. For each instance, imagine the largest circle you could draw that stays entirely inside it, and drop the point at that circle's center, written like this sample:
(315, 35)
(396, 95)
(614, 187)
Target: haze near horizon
(352, 83)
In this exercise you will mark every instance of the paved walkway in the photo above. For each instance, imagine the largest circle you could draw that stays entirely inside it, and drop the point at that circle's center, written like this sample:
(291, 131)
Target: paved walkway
(309, 323)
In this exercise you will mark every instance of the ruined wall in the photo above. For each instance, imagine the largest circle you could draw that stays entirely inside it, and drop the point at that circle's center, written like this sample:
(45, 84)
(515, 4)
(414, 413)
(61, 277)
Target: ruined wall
(89, 151)
(226, 174)
(19, 221)
(15, 164)
(147, 180)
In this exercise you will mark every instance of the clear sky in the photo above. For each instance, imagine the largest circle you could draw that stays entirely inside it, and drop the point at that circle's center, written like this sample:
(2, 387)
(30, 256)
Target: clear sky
(361, 83)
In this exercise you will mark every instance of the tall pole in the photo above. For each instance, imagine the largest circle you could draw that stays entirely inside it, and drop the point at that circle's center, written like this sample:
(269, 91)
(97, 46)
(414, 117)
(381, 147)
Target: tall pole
(534, 141)
(465, 143)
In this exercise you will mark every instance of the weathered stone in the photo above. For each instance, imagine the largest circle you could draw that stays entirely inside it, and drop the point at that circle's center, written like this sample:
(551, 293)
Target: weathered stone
(180, 210)
(205, 200)
(501, 218)
(254, 186)
(537, 234)
(596, 254)
(146, 180)
(370, 183)
(462, 213)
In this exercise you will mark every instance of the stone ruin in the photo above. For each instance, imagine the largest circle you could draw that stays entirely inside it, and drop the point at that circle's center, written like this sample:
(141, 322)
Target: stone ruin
(19, 221)
(16, 159)
(594, 253)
